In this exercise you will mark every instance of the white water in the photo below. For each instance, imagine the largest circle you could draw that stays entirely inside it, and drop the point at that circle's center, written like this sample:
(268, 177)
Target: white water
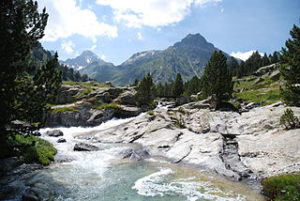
(103, 176)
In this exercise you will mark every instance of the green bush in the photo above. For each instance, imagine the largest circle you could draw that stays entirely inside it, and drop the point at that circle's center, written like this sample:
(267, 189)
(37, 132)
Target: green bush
(33, 149)
(289, 120)
(285, 187)
(150, 112)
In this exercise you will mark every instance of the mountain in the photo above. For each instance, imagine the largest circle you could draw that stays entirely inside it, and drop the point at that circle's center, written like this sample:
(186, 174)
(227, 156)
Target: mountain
(83, 60)
(187, 57)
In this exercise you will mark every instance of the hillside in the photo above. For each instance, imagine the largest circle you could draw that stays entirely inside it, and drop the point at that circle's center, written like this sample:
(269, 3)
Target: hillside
(187, 57)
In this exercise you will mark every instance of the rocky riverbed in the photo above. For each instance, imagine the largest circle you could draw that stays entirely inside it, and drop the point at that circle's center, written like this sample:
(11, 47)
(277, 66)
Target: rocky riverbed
(250, 145)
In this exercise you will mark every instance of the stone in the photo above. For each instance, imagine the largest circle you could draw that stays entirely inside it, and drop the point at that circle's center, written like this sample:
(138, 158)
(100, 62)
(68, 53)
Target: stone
(127, 98)
(135, 154)
(85, 147)
(55, 133)
(61, 140)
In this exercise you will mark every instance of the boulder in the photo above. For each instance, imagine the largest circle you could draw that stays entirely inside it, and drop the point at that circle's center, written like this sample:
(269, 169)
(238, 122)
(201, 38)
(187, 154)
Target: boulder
(135, 154)
(266, 69)
(115, 92)
(85, 147)
(61, 140)
(128, 98)
(55, 133)
(67, 93)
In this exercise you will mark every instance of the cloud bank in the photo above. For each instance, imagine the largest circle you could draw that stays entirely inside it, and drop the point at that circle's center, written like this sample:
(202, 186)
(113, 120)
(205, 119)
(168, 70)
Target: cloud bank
(153, 13)
(244, 55)
(67, 19)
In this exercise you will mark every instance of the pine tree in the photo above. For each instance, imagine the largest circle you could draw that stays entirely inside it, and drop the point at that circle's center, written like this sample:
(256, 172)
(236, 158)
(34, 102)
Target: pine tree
(291, 71)
(146, 91)
(265, 60)
(178, 86)
(20, 28)
(217, 81)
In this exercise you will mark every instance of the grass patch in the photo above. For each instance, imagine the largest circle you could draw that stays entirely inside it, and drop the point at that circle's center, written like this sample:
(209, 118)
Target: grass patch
(84, 93)
(33, 149)
(282, 187)
(150, 112)
(260, 96)
(65, 109)
(86, 84)
(107, 106)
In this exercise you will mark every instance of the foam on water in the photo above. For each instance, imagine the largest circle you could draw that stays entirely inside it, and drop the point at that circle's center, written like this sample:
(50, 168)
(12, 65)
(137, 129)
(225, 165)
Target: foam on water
(157, 185)
(95, 161)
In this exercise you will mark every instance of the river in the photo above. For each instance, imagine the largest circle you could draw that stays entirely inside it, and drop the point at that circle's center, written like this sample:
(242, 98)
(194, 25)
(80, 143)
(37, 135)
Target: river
(104, 176)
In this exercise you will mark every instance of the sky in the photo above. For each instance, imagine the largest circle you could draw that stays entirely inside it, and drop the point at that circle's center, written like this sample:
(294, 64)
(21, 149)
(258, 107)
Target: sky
(116, 29)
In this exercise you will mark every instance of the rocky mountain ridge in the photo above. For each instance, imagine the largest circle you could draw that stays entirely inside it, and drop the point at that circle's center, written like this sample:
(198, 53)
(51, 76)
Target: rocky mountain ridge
(188, 57)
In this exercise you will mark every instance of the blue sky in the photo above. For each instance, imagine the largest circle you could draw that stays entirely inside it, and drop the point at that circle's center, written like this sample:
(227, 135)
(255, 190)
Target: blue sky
(116, 29)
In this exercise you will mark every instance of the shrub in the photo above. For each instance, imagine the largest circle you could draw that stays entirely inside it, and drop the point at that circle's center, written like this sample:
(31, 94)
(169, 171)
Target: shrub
(33, 149)
(289, 120)
(150, 112)
(285, 187)
(179, 121)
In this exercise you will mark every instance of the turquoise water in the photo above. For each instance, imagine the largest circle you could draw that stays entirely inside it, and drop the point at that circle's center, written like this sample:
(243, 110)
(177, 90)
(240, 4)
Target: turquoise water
(104, 176)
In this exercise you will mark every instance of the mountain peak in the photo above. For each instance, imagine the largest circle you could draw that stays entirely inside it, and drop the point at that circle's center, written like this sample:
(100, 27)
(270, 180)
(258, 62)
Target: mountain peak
(86, 58)
(88, 53)
(192, 40)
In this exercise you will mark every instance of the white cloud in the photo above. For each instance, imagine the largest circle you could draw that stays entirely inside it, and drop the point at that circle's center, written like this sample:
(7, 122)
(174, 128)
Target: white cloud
(93, 47)
(66, 18)
(154, 13)
(140, 36)
(103, 57)
(244, 55)
(68, 47)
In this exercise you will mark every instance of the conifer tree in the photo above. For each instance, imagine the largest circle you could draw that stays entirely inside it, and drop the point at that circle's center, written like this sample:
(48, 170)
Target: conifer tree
(291, 69)
(216, 79)
(20, 28)
(146, 91)
(178, 86)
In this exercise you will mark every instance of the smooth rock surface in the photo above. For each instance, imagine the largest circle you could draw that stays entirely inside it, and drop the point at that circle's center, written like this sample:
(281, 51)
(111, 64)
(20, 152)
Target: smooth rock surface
(247, 145)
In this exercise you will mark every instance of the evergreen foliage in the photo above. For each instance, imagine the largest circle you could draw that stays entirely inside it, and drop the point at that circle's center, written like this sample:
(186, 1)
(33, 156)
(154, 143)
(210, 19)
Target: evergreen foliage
(178, 86)
(193, 86)
(289, 120)
(217, 81)
(146, 91)
(23, 91)
(291, 71)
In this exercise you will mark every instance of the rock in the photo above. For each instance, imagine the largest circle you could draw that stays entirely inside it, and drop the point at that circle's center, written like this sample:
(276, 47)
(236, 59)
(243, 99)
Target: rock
(115, 92)
(61, 140)
(275, 75)
(258, 80)
(135, 154)
(36, 194)
(103, 97)
(127, 98)
(266, 69)
(197, 105)
(99, 116)
(67, 93)
(55, 133)
(9, 164)
(126, 112)
(85, 147)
